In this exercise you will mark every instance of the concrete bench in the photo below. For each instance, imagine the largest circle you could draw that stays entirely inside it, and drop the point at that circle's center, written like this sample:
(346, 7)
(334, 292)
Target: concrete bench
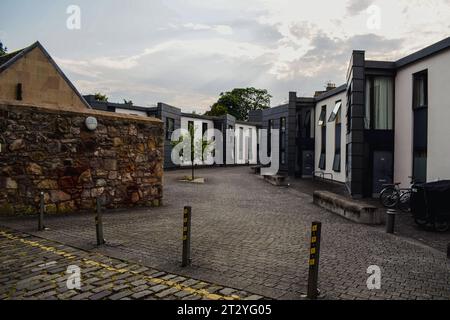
(350, 209)
(276, 180)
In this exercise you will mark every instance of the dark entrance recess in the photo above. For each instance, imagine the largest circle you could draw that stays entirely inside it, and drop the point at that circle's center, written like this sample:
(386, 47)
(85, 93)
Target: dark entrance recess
(420, 114)
(305, 142)
(308, 164)
(382, 170)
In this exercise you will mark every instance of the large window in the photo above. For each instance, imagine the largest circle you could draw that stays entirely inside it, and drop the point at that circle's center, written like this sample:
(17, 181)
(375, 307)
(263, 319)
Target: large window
(269, 137)
(170, 127)
(420, 114)
(306, 124)
(323, 148)
(283, 140)
(379, 110)
(250, 144)
(336, 117)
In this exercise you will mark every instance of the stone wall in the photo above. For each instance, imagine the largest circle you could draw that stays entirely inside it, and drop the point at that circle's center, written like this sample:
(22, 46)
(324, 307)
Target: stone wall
(52, 151)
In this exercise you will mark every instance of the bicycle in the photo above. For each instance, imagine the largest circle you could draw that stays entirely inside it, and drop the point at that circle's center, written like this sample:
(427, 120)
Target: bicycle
(392, 196)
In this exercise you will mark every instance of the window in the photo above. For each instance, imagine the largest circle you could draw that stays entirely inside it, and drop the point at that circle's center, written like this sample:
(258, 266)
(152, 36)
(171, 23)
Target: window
(349, 102)
(335, 112)
(241, 143)
(420, 133)
(323, 150)
(190, 126)
(250, 144)
(19, 92)
(337, 142)
(305, 124)
(323, 114)
(269, 137)
(204, 129)
(283, 140)
(170, 127)
(379, 109)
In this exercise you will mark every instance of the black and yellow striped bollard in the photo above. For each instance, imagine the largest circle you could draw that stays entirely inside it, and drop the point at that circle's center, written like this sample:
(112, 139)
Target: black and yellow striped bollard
(313, 291)
(186, 255)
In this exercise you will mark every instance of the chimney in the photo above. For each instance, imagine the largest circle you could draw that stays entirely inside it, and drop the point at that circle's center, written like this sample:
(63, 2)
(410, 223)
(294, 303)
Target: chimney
(330, 86)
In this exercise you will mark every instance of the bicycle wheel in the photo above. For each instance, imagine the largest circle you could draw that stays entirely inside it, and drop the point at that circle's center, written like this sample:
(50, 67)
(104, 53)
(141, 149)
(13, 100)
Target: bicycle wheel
(404, 203)
(441, 226)
(421, 222)
(389, 197)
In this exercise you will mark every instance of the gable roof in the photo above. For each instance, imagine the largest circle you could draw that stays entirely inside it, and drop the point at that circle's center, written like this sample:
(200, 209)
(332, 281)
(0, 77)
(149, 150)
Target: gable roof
(9, 59)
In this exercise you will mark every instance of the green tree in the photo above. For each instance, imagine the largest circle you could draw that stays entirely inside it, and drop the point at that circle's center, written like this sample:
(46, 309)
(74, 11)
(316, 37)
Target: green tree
(3, 50)
(217, 110)
(205, 144)
(240, 101)
(100, 97)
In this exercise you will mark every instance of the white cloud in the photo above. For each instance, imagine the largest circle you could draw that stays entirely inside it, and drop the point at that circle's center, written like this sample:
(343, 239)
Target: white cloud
(221, 29)
(205, 48)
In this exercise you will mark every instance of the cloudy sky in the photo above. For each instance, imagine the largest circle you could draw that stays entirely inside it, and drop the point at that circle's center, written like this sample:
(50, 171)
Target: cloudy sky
(185, 52)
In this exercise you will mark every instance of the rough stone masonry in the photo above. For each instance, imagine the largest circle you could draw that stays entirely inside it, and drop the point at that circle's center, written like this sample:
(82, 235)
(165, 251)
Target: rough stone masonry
(52, 151)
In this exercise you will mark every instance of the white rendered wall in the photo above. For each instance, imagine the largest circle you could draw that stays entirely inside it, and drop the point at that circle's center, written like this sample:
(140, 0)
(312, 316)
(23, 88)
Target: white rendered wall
(244, 157)
(330, 147)
(198, 125)
(438, 164)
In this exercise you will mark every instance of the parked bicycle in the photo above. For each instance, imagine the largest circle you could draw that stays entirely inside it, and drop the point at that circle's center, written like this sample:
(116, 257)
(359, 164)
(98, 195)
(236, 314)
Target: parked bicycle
(392, 196)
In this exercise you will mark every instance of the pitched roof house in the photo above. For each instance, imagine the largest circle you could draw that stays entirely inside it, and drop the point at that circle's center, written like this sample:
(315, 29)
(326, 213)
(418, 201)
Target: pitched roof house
(31, 76)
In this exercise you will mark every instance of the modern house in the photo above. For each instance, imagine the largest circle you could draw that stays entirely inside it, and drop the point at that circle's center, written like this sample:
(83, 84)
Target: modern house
(388, 122)
(244, 151)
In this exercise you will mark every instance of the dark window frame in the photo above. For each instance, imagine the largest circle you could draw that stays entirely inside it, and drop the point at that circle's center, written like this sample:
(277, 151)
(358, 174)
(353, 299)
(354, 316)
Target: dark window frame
(283, 130)
(170, 127)
(337, 139)
(269, 137)
(371, 79)
(323, 138)
(421, 111)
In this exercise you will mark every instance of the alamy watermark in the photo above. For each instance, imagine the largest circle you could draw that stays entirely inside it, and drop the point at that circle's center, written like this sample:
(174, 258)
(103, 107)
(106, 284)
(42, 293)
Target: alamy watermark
(73, 22)
(74, 277)
(374, 20)
(211, 148)
(374, 280)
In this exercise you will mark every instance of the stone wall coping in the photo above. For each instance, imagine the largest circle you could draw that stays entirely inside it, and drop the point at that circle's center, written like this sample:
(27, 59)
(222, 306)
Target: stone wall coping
(16, 106)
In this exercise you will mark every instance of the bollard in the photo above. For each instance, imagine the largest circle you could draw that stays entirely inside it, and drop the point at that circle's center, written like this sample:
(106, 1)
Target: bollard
(390, 221)
(186, 255)
(99, 224)
(41, 226)
(313, 277)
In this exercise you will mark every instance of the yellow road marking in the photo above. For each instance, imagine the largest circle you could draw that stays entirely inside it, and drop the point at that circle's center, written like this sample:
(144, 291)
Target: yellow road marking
(169, 283)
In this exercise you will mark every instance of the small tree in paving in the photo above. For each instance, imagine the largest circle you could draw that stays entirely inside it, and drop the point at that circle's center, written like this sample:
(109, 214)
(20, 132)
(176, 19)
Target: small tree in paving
(205, 144)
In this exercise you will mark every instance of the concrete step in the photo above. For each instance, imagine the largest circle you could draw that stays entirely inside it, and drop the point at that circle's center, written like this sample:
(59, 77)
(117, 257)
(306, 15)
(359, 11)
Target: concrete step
(353, 210)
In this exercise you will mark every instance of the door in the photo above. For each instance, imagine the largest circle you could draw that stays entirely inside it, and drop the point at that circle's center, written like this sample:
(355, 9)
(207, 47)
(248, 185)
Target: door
(382, 170)
(308, 164)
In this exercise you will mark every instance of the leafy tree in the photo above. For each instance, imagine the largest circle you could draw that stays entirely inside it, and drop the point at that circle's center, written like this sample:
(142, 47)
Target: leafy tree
(3, 50)
(194, 152)
(240, 101)
(217, 110)
(100, 97)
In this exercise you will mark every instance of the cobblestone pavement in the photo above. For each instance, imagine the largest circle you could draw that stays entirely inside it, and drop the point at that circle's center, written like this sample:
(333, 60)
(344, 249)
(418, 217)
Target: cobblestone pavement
(250, 235)
(33, 268)
(405, 225)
